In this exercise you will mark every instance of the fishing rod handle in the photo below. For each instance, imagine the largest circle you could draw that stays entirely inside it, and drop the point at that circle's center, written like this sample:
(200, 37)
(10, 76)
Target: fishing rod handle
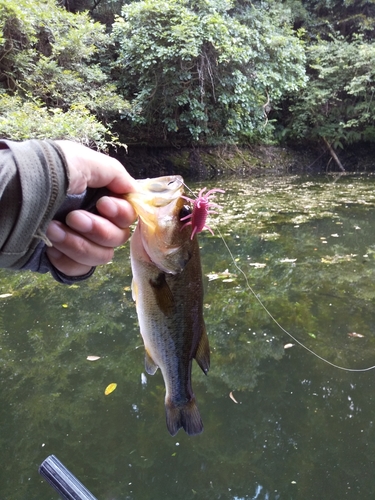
(60, 478)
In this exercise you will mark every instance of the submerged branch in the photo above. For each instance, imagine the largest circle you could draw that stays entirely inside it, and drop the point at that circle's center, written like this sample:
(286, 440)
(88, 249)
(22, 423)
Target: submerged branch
(333, 154)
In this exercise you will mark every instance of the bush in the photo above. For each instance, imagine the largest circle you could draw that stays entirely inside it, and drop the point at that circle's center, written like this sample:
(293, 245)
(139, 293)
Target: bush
(200, 71)
(20, 120)
(52, 71)
(338, 104)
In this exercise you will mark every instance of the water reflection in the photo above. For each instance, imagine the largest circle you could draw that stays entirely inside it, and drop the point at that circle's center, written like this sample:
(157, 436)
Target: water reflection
(294, 426)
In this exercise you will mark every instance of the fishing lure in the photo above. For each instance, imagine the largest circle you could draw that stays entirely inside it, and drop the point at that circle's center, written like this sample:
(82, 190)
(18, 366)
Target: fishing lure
(201, 209)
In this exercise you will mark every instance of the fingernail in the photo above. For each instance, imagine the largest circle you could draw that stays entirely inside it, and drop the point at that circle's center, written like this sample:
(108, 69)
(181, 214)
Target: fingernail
(55, 233)
(79, 221)
(111, 208)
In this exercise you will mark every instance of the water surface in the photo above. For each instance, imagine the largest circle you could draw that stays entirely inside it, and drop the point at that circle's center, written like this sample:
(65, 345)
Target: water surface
(279, 422)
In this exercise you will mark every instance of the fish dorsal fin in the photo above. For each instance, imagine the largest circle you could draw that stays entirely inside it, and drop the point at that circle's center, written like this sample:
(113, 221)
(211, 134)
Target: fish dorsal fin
(150, 365)
(202, 355)
(162, 293)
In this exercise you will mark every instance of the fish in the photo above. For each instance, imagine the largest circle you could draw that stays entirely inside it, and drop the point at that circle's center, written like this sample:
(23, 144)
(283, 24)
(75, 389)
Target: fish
(167, 288)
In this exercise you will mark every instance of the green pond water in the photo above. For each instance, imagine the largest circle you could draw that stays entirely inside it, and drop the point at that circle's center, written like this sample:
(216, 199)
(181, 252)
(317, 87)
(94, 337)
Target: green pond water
(279, 422)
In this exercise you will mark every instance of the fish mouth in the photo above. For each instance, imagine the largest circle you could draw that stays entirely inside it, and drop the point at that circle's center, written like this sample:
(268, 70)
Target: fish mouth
(158, 192)
(158, 203)
(167, 184)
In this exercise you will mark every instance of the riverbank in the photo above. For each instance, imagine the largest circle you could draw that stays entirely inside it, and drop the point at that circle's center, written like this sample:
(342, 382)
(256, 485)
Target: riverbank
(209, 162)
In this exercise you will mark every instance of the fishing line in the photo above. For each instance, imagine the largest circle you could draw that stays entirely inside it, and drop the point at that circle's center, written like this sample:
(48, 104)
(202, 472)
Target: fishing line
(280, 326)
(274, 319)
(187, 187)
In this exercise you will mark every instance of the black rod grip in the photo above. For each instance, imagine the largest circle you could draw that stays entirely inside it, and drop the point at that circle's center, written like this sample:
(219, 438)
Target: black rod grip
(66, 485)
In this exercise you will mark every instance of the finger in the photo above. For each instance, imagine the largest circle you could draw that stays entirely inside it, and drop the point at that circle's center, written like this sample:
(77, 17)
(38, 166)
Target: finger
(77, 247)
(66, 265)
(117, 210)
(97, 229)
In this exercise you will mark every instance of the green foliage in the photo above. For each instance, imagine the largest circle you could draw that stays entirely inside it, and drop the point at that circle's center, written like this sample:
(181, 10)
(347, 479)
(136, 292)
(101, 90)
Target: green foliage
(202, 71)
(338, 102)
(194, 71)
(51, 59)
(21, 120)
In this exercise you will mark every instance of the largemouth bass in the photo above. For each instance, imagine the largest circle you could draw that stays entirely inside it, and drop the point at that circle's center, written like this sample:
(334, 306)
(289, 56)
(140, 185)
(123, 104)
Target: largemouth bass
(168, 292)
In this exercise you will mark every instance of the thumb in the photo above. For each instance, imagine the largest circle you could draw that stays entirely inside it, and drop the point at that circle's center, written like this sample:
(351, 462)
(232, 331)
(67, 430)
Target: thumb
(88, 168)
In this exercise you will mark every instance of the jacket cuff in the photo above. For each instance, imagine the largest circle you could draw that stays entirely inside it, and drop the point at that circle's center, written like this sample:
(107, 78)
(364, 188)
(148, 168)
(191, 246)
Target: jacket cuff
(39, 262)
(36, 183)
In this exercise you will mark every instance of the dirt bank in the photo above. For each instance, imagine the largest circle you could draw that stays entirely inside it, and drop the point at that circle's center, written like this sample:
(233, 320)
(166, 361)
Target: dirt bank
(209, 162)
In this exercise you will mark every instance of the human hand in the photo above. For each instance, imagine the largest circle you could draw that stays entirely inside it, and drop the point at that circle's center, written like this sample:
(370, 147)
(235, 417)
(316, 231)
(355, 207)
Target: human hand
(86, 239)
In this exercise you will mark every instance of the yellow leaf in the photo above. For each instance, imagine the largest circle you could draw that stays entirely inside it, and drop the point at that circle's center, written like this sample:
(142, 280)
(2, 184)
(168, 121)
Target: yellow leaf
(65, 306)
(110, 388)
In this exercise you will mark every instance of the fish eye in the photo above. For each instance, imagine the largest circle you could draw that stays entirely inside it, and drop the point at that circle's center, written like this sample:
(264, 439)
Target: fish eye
(185, 211)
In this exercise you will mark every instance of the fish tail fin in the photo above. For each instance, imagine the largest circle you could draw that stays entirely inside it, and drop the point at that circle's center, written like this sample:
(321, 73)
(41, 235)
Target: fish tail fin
(186, 417)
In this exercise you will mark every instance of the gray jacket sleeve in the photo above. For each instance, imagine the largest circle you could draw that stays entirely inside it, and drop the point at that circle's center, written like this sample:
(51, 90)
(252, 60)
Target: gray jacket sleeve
(33, 191)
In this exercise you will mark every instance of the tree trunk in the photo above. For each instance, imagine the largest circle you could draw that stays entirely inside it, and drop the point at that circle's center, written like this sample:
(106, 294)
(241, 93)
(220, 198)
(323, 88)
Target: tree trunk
(333, 154)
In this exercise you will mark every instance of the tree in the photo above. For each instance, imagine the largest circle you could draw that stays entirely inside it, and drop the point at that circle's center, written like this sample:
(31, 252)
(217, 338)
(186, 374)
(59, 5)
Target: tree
(202, 71)
(52, 78)
(338, 104)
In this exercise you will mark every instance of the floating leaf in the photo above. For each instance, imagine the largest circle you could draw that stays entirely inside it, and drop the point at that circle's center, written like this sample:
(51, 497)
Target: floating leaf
(93, 358)
(225, 276)
(110, 388)
(312, 335)
(5, 295)
(269, 236)
(232, 397)
(328, 259)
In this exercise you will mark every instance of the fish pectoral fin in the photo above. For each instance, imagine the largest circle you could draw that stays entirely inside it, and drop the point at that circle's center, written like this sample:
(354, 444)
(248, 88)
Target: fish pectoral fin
(150, 365)
(162, 292)
(202, 355)
(134, 290)
(186, 417)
